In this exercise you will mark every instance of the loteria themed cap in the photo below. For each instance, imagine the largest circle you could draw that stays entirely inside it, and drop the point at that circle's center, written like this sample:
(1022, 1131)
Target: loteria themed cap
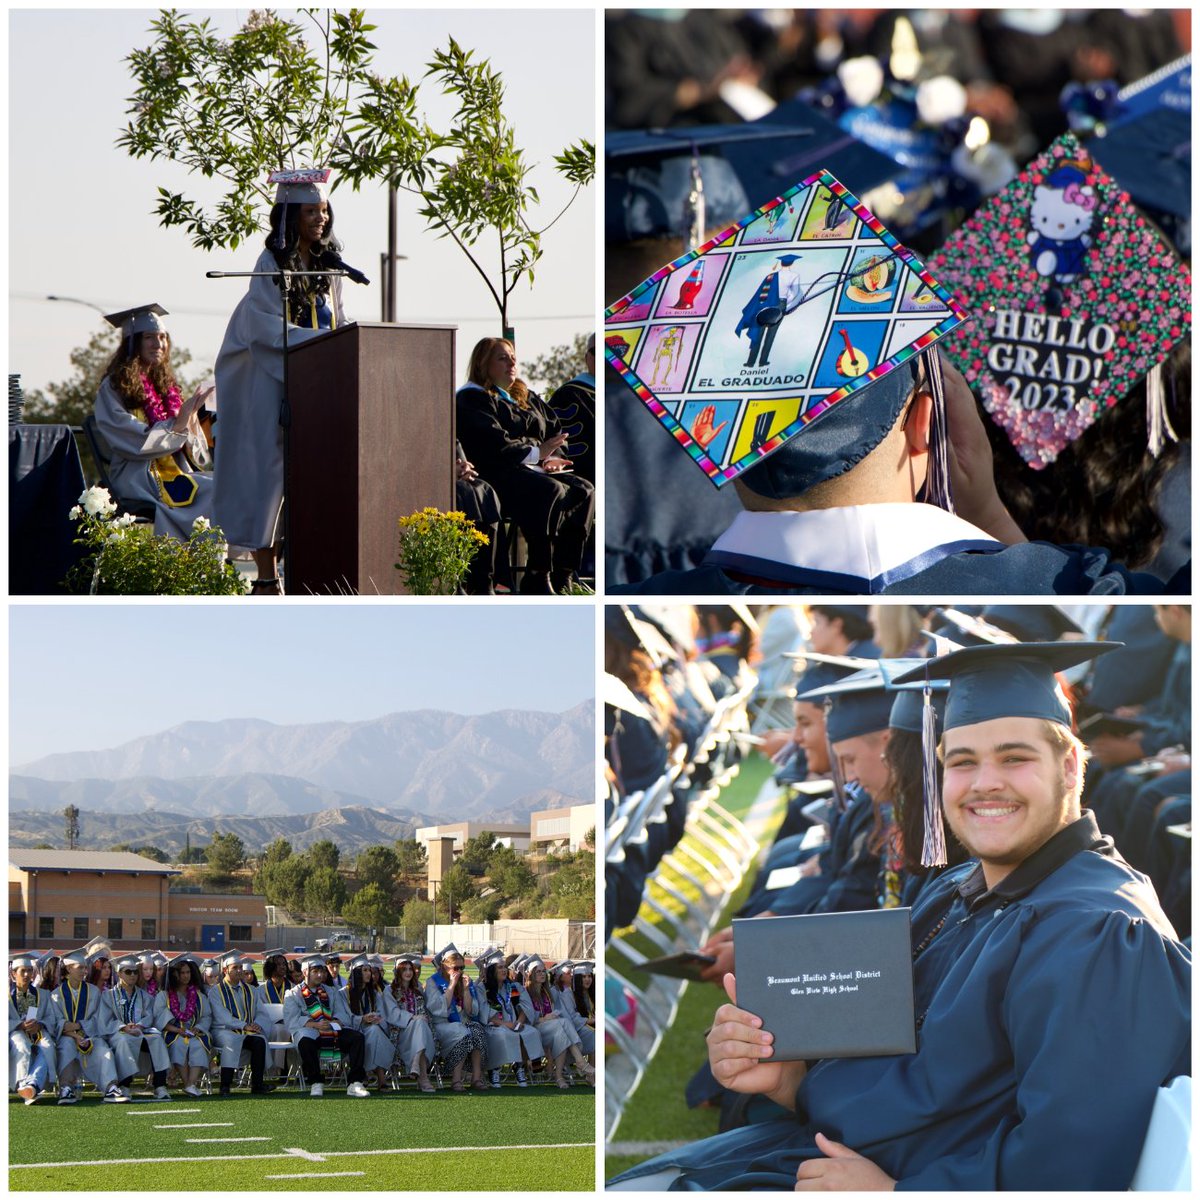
(1080, 300)
(795, 355)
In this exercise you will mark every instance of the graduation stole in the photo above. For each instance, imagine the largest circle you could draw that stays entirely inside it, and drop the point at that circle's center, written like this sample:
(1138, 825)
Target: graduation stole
(274, 996)
(193, 1009)
(313, 312)
(316, 1004)
(542, 1003)
(411, 999)
(23, 1002)
(77, 1010)
(453, 1013)
(229, 999)
(176, 488)
(129, 1005)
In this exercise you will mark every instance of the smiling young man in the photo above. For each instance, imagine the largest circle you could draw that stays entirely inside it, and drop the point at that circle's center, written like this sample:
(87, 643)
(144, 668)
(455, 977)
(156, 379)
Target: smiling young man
(1052, 997)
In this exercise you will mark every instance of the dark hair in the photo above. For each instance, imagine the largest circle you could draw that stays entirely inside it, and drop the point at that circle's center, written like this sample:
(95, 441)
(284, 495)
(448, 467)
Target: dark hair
(359, 987)
(288, 257)
(196, 980)
(727, 620)
(905, 792)
(125, 370)
(1100, 490)
(492, 980)
(271, 960)
(585, 997)
(854, 627)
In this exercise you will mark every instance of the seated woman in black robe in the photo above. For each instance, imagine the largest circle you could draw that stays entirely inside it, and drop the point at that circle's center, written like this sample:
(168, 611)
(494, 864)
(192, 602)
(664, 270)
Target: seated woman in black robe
(516, 449)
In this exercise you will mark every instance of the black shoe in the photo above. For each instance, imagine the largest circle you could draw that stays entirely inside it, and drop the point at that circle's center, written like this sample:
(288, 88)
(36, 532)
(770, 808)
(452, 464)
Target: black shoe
(224, 1091)
(562, 582)
(260, 1088)
(536, 583)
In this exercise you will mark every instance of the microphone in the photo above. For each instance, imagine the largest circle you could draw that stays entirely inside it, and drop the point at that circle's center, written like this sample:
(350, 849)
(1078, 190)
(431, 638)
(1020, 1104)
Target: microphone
(333, 260)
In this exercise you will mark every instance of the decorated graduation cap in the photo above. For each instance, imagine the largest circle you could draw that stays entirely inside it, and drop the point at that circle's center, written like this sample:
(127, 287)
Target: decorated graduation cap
(797, 355)
(1080, 300)
(308, 185)
(132, 321)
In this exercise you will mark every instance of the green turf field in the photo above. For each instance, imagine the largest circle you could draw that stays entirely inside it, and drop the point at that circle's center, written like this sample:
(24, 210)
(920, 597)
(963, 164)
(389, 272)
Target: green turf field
(404, 1140)
(656, 1112)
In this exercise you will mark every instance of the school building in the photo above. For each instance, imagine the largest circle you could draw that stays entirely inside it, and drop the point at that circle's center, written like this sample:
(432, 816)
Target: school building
(61, 899)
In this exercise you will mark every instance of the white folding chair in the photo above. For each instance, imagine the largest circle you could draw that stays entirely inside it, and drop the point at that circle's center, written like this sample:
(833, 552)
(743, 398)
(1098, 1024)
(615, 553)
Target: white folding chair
(1166, 1162)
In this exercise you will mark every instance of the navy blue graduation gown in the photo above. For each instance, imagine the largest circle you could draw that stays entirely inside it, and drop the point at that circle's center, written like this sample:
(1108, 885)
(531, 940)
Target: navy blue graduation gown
(1050, 1010)
(1030, 568)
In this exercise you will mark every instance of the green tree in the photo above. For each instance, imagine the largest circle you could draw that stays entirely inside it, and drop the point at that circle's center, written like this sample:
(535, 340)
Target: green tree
(277, 851)
(476, 851)
(324, 893)
(417, 914)
(154, 853)
(370, 906)
(412, 857)
(283, 882)
(456, 887)
(225, 854)
(68, 402)
(551, 370)
(237, 108)
(323, 854)
(509, 873)
(379, 865)
(480, 910)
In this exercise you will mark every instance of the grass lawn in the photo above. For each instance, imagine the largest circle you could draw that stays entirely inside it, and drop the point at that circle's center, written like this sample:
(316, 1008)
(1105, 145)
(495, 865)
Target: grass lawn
(657, 1112)
(397, 1140)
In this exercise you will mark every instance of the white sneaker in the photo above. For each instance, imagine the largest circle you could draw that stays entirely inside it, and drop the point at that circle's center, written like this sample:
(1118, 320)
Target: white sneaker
(114, 1095)
(357, 1091)
(316, 1091)
(522, 1081)
(495, 1079)
(66, 1095)
(192, 1090)
(161, 1093)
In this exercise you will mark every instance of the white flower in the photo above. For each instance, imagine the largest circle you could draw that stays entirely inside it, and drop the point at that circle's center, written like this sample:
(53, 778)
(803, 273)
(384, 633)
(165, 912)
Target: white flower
(941, 99)
(862, 79)
(75, 513)
(97, 502)
(200, 524)
(124, 521)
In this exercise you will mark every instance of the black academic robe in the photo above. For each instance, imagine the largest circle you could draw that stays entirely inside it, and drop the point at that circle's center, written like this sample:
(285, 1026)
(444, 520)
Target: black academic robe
(1049, 1012)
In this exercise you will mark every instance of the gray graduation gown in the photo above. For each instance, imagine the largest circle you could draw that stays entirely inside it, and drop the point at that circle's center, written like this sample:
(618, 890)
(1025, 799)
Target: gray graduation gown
(127, 1046)
(414, 1032)
(135, 446)
(21, 1049)
(228, 1022)
(249, 459)
(190, 1051)
(564, 1002)
(97, 1064)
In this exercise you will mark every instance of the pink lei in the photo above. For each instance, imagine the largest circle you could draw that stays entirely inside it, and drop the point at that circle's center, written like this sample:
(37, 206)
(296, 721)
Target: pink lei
(155, 407)
(189, 1009)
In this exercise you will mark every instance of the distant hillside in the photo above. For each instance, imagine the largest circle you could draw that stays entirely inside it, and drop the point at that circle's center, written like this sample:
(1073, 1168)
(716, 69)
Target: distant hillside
(444, 764)
(352, 828)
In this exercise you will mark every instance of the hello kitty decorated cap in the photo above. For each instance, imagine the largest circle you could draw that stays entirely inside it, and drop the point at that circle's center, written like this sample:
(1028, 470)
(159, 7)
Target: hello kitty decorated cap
(1078, 298)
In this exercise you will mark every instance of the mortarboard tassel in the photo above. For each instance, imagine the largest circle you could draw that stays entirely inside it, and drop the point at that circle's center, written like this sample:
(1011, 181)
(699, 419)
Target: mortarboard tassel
(693, 206)
(1158, 423)
(937, 480)
(933, 850)
(835, 767)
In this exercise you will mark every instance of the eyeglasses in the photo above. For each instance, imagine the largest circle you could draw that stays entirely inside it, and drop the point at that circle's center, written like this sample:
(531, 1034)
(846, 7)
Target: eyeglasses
(129, 970)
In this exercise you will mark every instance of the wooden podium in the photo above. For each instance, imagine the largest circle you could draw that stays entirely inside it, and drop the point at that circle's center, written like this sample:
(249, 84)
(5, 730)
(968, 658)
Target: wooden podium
(371, 440)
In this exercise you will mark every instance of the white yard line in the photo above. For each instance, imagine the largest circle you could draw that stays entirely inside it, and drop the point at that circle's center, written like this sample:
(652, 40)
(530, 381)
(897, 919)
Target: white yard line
(158, 1112)
(316, 1175)
(306, 1154)
(121, 1162)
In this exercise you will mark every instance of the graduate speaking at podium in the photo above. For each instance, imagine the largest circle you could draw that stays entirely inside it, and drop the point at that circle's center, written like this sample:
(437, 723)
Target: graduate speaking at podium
(249, 470)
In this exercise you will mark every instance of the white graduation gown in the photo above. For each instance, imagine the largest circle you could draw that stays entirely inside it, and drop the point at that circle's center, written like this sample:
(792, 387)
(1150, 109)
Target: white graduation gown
(249, 456)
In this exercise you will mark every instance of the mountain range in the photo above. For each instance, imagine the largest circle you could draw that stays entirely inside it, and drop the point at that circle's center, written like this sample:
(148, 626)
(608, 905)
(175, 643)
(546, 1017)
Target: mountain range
(403, 769)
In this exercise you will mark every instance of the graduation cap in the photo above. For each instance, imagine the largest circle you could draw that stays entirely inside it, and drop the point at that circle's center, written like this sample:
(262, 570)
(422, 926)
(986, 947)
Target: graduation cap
(311, 961)
(159, 958)
(1080, 300)
(76, 958)
(1146, 146)
(415, 959)
(678, 182)
(232, 959)
(1031, 622)
(127, 962)
(309, 185)
(532, 963)
(132, 321)
(450, 951)
(359, 961)
(963, 629)
(559, 967)
(376, 960)
(585, 968)
(23, 960)
(820, 670)
(788, 373)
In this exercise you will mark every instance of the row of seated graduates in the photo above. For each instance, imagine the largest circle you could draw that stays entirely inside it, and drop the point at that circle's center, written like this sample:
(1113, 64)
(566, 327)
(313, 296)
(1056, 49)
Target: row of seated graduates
(668, 668)
(870, 855)
(1139, 774)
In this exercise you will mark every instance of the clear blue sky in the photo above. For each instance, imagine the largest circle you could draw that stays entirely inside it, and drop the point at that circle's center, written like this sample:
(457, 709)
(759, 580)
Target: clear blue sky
(81, 220)
(86, 677)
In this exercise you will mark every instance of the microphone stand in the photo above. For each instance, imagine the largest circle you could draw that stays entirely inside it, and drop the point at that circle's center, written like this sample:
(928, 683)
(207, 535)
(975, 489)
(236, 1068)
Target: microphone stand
(284, 278)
